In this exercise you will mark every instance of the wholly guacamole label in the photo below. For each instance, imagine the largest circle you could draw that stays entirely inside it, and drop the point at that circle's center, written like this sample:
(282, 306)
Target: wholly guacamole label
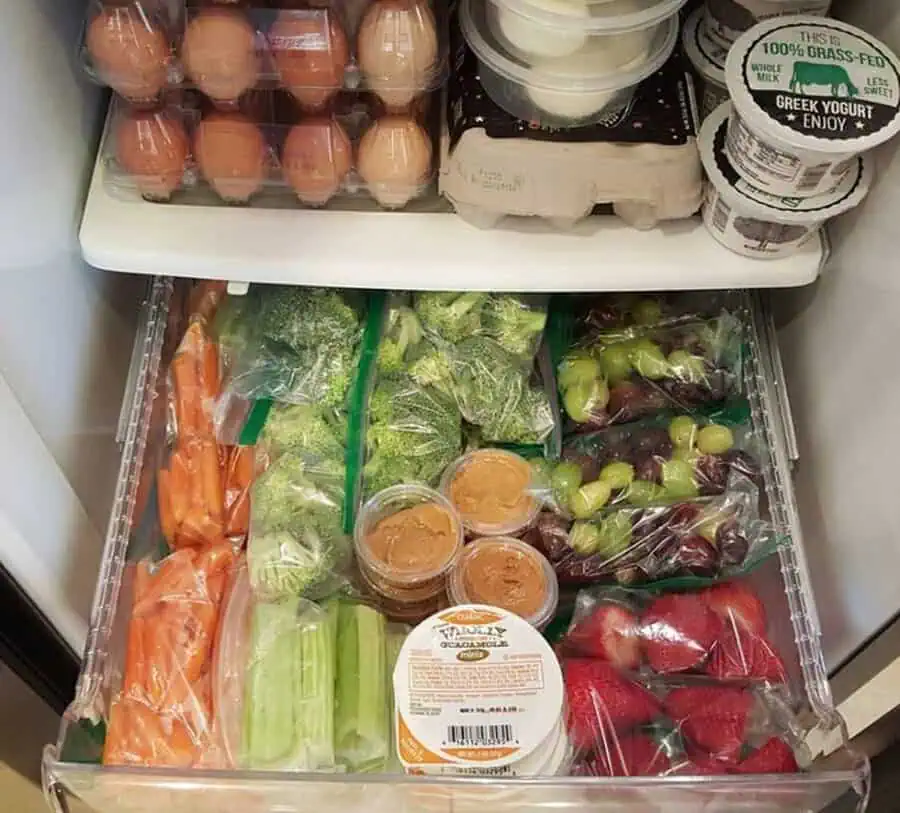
(822, 81)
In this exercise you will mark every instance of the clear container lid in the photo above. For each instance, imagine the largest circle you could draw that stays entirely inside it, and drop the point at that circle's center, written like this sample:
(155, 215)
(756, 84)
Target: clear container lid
(603, 17)
(492, 491)
(507, 573)
(408, 535)
(562, 80)
(747, 199)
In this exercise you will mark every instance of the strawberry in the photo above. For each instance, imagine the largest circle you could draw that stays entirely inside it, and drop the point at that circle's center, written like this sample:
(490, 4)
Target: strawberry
(743, 655)
(678, 631)
(736, 604)
(634, 755)
(609, 633)
(774, 756)
(601, 702)
(713, 718)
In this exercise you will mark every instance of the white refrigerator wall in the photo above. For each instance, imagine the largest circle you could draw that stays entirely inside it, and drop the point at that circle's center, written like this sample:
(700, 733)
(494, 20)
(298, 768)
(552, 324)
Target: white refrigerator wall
(840, 342)
(66, 331)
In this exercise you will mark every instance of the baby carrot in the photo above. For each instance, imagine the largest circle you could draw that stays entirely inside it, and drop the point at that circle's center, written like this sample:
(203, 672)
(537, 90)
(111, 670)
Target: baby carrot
(164, 497)
(211, 479)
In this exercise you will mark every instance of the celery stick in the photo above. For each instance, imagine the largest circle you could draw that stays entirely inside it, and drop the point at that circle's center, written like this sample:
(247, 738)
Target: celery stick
(396, 635)
(361, 699)
(315, 689)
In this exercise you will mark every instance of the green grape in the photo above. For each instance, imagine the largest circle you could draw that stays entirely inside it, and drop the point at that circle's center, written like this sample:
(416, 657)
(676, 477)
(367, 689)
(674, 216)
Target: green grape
(715, 439)
(687, 367)
(566, 477)
(683, 431)
(709, 525)
(647, 312)
(618, 475)
(678, 479)
(541, 472)
(648, 360)
(584, 538)
(589, 499)
(643, 493)
(686, 453)
(616, 362)
(576, 368)
(615, 534)
(581, 400)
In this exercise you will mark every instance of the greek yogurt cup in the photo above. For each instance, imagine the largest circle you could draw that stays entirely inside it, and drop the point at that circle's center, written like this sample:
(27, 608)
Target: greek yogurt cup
(465, 659)
(589, 84)
(809, 95)
(708, 61)
(755, 223)
(725, 20)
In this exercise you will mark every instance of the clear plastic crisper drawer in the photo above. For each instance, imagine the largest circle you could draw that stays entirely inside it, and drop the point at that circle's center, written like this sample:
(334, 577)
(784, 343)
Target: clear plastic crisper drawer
(72, 766)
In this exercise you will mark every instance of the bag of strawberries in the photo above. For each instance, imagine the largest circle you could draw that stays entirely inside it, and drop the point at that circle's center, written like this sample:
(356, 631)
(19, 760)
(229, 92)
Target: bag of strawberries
(623, 725)
(719, 631)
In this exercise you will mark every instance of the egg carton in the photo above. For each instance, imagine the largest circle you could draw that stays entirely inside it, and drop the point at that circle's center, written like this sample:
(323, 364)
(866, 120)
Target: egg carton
(267, 154)
(396, 49)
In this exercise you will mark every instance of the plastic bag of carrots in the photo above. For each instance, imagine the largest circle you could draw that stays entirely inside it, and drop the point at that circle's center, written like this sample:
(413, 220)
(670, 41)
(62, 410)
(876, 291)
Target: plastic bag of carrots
(164, 715)
(204, 486)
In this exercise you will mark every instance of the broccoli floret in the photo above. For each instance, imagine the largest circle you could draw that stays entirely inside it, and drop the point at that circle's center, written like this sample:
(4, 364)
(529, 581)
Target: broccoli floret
(308, 317)
(403, 333)
(529, 422)
(306, 428)
(488, 382)
(451, 316)
(515, 324)
(432, 369)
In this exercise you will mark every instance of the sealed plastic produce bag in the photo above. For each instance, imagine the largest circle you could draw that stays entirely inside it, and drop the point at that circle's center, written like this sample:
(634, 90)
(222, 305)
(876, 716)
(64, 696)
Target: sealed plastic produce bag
(275, 681)
(485, 353)
(657, 460)
(691, 541)
(298, 345)
(414, 427)
(297, 542)
(203, 486)
(621, 725)
(719, 631)
(164, 716)
(303, 686)
(620, 375)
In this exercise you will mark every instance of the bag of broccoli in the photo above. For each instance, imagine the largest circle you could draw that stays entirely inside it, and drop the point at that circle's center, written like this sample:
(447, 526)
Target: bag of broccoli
(292, 344)
(483, 352)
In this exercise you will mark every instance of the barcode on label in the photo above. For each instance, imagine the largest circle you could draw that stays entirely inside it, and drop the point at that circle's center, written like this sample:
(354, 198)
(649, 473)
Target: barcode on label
(812, 177)
(470, 735)
(721, 214)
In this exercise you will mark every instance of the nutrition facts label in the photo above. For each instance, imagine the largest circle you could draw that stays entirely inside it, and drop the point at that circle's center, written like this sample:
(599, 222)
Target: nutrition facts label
(432, 680)
(757, 160)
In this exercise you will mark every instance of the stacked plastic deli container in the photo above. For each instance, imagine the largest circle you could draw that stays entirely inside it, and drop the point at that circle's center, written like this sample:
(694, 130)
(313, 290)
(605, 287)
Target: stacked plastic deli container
(261, 100)
(566, 106)
(810, 98)
(370, 561)
(713, 28)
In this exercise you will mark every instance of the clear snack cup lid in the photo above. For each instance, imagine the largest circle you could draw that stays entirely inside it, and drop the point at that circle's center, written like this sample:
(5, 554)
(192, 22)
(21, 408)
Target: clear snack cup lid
(493, 492)
(507, 573)
(408, 535)
(601, 17)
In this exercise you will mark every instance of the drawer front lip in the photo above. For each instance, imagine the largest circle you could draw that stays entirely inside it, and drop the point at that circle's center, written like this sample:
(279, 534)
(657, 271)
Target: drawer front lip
(111, 788)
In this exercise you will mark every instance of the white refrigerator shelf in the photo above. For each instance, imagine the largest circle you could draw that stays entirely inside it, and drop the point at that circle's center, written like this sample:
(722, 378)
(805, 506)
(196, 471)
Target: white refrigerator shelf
(413, 249)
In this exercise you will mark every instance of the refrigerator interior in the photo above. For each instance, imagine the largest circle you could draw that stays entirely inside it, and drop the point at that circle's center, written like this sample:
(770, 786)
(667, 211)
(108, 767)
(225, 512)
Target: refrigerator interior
(836, 339)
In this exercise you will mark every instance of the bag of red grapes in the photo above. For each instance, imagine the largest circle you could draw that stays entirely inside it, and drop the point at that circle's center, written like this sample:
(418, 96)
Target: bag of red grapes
(620, 724)
(685, 543)
(618, 375)
(720, 632)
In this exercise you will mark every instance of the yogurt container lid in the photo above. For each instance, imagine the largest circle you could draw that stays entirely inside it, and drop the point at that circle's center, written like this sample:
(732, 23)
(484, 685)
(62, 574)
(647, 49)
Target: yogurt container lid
(763, 205)
(604, 16)
(706, 56)
(475, 686)
(474, 27)
(815, 84)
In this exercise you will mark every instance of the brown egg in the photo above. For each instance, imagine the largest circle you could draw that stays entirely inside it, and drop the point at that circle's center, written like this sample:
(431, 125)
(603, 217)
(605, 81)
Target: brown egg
(153, 149)
(220, 53)
(317, 156)
(129, 52)
(231, 153)
(311, 54)
(398, 49)
(394, 160)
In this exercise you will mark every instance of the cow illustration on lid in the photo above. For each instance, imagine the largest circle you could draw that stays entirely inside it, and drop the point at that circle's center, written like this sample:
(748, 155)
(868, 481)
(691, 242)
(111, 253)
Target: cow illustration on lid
(813, 73)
